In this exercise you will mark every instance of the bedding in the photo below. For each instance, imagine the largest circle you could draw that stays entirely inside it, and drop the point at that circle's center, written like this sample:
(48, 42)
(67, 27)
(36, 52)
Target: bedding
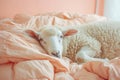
(22, 58)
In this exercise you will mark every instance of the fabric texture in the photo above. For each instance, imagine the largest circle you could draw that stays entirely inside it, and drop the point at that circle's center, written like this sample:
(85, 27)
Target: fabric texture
(22, 58)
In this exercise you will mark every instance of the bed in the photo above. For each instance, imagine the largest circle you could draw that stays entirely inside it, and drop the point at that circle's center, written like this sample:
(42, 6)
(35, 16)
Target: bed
(22, 58)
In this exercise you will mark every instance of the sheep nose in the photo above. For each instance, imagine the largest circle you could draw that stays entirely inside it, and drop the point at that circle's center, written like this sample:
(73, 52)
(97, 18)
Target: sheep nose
(56, 54)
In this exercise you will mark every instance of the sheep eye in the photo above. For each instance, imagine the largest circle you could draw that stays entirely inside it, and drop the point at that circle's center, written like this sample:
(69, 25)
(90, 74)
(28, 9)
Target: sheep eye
(61, 36)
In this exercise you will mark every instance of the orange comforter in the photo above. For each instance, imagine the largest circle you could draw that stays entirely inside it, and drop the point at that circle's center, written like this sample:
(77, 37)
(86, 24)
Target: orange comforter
(22, 58)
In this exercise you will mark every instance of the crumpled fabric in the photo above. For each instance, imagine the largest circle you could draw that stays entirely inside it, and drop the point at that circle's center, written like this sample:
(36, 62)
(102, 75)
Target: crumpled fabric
(22, 58)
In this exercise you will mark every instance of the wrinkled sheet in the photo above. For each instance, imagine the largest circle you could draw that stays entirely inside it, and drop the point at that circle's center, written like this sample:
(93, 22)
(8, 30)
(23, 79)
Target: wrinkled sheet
(22, 58)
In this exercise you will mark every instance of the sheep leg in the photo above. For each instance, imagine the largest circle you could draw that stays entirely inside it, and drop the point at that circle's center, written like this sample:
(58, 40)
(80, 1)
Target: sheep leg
(87, 54)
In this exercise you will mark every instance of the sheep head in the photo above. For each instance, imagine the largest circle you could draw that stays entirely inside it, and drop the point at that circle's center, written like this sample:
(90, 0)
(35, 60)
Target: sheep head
(51, 39)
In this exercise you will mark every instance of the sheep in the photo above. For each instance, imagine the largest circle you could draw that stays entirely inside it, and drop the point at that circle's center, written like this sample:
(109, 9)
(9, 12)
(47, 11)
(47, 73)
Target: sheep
(98, 41)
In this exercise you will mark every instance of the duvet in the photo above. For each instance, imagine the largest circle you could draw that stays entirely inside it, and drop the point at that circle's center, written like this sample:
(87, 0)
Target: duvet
(22, 58)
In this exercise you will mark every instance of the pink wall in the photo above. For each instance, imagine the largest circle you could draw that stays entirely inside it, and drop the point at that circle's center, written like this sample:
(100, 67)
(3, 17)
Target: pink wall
(100, 7)
(8, 8)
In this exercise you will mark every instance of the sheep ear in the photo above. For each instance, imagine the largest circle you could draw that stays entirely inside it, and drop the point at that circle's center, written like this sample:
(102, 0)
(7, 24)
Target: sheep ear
(70, 32)
(32, 33)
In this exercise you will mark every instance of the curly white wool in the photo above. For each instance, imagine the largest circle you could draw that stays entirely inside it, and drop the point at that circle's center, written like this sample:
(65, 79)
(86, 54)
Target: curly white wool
(92, 41)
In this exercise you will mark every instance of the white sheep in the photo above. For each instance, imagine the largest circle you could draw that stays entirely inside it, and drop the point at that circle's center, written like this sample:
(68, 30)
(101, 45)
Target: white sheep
(88, 42)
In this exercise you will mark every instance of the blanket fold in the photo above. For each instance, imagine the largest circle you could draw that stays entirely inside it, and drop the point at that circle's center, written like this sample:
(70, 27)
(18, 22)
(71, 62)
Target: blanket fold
(22, 58)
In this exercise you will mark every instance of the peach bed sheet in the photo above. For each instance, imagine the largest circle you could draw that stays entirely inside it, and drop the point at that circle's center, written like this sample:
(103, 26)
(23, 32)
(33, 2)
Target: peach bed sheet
(22, 58)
